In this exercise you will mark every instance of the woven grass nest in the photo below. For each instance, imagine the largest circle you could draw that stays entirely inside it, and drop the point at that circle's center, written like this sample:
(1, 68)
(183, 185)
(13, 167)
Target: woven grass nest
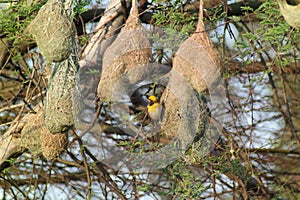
(62, 99)
(38, 140)
(130, 50)
(196, 65)
(52, 30)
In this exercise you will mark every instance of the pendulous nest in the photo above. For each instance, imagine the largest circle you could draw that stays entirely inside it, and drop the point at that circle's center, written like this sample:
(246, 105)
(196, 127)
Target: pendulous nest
(52, 30)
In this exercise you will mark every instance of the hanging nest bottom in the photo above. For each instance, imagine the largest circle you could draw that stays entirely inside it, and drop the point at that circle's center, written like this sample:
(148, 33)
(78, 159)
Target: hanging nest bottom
(130, 50)
(53, 144)
(118, 70)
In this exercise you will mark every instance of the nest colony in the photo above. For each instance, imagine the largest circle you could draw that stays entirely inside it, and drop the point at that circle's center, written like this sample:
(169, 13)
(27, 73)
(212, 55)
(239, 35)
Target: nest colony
(46, 131)
(130, 50)
(195, 58)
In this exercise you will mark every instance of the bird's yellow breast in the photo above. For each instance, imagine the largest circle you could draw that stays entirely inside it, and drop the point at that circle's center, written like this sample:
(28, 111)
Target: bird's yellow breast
(154, 111)
(154, 107)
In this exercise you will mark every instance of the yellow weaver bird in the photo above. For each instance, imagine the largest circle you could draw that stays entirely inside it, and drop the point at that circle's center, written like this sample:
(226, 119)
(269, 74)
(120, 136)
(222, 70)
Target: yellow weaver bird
(154, 109)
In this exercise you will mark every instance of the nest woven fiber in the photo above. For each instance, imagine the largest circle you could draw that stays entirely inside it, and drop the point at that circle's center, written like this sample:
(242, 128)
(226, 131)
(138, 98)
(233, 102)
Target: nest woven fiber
(130, 50)
(60, 108)
(52, 30)
(290, 11)
(30, 134)
(53, 145)
(195, 65)
(197, 59)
